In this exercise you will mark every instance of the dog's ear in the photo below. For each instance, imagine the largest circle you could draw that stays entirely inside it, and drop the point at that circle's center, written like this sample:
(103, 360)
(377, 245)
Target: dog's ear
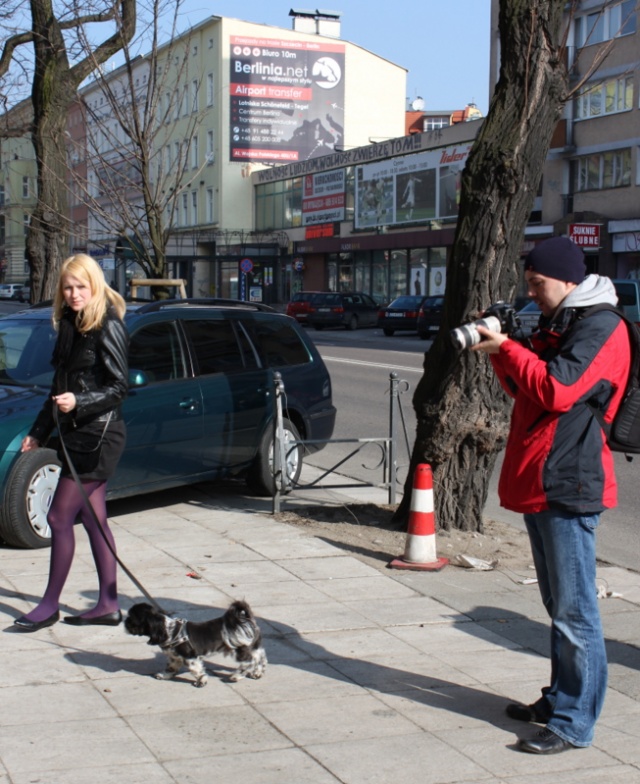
(157, 629)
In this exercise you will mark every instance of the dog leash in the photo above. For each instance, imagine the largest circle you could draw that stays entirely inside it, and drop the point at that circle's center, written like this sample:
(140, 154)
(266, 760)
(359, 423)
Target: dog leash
(92, 511)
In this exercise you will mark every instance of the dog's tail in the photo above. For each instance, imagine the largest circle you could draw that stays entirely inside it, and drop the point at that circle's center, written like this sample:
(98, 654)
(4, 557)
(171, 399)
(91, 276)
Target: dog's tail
(240, 628)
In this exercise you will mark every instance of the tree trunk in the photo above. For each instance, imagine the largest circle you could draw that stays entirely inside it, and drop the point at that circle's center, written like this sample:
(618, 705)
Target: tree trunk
(461, 412)
(54, 89)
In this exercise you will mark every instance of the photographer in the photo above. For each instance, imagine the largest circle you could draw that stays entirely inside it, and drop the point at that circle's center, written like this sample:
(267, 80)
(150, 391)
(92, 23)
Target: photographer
(558, 472)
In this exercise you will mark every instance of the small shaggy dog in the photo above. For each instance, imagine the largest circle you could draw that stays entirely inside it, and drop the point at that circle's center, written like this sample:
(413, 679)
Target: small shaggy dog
(236, 633)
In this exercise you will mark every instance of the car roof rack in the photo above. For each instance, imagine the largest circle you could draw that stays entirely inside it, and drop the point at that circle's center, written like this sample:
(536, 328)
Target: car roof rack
(150, 307)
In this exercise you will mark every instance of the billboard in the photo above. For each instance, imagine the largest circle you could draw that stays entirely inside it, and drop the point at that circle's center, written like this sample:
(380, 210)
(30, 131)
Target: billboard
(286, 98)
(412, 188)
(323, 197)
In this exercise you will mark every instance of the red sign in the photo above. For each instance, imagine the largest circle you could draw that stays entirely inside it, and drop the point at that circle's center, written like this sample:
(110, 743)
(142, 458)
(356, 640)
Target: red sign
(587, 235)
(321, 230)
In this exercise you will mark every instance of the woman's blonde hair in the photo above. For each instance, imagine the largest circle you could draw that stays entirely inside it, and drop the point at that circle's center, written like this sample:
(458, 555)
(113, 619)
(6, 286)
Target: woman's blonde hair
(87, 269)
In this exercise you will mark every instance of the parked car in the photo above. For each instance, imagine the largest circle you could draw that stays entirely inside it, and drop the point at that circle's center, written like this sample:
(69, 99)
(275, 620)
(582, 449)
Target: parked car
(349, 309)
(22, 293)
(429, 316)
(299, 305)
(7, 290)
(401, 314)
(529, 316)
(200, 404)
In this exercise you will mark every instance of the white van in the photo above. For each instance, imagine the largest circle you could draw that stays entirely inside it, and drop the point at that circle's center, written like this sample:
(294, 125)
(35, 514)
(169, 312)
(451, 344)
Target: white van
(7, 290)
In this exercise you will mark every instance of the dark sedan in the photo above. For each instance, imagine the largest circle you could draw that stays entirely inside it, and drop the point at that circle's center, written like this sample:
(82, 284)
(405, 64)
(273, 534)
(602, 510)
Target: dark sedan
(401, 314)
(348, 309)
(429, 316)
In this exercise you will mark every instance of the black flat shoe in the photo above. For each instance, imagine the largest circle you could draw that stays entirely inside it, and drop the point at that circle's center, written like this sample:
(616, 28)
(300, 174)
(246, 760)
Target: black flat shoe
(545, 742)
(110, 619)
(530, 713)
(25, 625)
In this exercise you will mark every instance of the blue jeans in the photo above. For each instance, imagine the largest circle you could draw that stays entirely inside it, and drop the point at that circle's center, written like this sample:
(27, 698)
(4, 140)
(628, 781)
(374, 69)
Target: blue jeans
(564, 554)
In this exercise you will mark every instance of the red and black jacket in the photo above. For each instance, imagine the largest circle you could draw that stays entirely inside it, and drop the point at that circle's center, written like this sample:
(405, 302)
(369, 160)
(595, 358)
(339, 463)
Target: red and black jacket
(556, 455)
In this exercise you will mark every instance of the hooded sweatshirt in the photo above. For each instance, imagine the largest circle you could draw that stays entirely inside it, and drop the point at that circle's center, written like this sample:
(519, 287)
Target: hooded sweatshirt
(556, 455)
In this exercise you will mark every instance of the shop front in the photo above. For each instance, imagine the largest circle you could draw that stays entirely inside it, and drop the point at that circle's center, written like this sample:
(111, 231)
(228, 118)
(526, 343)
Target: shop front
(383, 265)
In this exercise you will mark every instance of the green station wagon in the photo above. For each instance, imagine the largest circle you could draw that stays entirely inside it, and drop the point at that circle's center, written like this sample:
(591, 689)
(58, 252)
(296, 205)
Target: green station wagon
(200, 404)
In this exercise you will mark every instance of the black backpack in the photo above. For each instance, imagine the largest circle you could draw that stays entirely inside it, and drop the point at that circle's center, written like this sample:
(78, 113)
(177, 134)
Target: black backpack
(623, 434)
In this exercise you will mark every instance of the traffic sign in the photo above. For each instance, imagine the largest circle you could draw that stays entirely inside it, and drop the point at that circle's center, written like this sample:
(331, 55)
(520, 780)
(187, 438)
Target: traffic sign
(246, 265)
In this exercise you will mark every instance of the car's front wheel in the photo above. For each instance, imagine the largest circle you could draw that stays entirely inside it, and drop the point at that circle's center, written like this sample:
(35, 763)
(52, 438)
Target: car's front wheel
(260, 477)
(29, 489)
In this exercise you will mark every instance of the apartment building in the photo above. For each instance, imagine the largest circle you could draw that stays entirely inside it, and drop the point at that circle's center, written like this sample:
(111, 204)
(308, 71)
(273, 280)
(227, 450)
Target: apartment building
(590, 187)
(18, 189)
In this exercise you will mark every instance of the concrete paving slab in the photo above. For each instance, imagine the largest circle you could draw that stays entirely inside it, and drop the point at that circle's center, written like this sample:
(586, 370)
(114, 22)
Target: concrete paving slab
(185, 734)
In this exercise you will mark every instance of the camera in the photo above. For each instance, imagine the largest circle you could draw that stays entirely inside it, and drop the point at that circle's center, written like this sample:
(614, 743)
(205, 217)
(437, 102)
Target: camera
(499, 317)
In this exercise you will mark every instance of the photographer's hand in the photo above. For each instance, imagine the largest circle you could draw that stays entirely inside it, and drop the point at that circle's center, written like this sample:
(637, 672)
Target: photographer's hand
(491, 341)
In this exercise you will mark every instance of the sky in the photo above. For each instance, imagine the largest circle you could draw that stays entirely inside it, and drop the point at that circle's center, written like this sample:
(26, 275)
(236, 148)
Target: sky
(443, 45)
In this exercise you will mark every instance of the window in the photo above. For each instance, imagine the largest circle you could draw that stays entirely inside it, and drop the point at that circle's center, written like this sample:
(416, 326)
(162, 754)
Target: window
(25, 187)
(609, 22)
(605, 170)
(26, 220)
(210, 202)
(210, 89)
(167, 107)
(194, 208)
(195, 103)
(608, 97)
(185, 208)
(1, 195)
(176, 154)
(277, 343)
(210, 149)
(216, 348)
(194, 151)
(155, 350)
(435, 123)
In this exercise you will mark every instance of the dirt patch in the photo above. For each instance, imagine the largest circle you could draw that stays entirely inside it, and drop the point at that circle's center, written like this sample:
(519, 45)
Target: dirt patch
(366, 531)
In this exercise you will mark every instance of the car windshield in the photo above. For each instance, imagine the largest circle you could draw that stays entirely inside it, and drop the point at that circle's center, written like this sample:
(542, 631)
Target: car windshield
(25, 352)
(531, 307)
(406, 302)
(432, 302)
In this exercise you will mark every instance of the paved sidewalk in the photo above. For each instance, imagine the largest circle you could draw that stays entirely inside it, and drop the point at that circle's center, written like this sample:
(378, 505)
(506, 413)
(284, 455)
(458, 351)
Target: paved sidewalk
(374, 675)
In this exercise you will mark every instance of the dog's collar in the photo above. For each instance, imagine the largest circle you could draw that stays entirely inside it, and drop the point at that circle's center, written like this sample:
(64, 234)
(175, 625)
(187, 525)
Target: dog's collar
(178, 634)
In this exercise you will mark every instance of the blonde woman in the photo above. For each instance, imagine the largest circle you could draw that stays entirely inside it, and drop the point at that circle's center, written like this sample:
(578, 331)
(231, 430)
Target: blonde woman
(90, 382)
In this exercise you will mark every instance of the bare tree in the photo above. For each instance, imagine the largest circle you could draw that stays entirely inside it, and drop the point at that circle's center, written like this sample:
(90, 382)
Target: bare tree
(57, 74)
(462, 414)
(138, 169)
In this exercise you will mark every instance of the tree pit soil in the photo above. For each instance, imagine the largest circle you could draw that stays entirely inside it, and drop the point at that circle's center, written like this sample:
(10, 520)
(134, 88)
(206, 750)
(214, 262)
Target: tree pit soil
(366, 530)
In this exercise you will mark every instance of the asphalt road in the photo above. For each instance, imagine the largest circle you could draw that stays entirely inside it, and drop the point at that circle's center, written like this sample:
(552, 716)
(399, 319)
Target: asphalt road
(360, 363)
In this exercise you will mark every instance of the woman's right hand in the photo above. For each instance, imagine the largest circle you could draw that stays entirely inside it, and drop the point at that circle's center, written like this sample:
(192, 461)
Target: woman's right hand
(29, 443)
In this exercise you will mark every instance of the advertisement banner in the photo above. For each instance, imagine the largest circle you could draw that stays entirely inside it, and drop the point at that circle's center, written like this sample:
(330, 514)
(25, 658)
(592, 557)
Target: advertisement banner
(286, 99)
(323, 199)
(413, 188)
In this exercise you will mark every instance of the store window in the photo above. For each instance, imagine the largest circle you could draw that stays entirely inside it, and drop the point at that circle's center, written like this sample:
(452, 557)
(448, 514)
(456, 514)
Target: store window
(398, 273)
(362, 271)
(380, 275)
(419, 271)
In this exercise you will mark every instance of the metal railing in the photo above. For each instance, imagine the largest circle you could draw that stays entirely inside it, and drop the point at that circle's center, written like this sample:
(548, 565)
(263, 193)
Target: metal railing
(388, 463)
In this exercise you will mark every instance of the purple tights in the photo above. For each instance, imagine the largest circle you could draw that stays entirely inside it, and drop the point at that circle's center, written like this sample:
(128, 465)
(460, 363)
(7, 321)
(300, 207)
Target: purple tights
(68, 504)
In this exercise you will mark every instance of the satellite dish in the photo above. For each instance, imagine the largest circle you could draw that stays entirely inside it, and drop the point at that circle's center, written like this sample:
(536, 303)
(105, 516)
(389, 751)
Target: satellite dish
(418, 104)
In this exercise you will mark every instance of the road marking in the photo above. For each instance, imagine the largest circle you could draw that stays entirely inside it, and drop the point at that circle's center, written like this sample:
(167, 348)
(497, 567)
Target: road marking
(372, 364)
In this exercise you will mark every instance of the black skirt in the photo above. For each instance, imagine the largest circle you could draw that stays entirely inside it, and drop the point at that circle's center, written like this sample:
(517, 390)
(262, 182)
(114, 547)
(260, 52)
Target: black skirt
(110, 452)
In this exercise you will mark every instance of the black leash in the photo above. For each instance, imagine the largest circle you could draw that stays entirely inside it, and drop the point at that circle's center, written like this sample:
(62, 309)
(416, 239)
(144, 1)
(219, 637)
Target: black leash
(92, 511)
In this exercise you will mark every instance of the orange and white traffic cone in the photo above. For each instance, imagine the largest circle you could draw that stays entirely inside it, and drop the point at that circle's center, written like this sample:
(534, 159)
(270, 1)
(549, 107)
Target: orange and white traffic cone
(420, 548)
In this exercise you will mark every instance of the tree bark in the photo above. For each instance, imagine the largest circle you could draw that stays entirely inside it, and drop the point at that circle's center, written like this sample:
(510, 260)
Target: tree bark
(462, 415)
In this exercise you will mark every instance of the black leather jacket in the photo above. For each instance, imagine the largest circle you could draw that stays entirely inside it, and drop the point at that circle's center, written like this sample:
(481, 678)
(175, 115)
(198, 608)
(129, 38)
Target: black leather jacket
(96, 371)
